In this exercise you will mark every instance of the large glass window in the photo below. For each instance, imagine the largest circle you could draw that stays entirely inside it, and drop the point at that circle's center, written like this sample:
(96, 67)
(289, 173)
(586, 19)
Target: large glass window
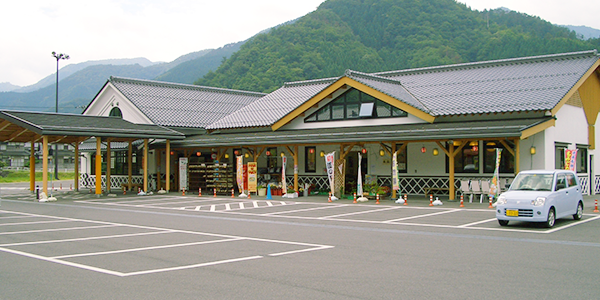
(402, 158)
(467, 160)
(507, 160)
(310, 159)
(559, 155)
(582, 159)
(355, 104)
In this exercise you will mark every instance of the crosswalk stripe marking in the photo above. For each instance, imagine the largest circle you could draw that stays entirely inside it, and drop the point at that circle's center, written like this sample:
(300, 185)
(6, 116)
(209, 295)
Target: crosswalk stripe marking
(197, 208)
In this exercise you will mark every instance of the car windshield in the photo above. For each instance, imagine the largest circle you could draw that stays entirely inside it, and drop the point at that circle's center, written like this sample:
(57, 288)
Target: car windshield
(532, 182)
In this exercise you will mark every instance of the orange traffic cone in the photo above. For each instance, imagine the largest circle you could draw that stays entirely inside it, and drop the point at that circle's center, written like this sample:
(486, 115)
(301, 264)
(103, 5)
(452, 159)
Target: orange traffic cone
(462, 197)
(596, 207)
(329, 196)
(248, 194)
(183, 192)
(354, 197)
(405, 199)
(490, 206)
(430, 200)
(377, 201)
(214, 192)
(232, 193)
(199, 192)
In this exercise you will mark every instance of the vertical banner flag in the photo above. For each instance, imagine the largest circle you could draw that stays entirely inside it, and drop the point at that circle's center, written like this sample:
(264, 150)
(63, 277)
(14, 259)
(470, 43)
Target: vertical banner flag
(359, 186)
(252, 180)
(570, 159)
(283, 183)
(395, 180)
(329, 163)
(494, 186)
(183, 164)
(240, 173)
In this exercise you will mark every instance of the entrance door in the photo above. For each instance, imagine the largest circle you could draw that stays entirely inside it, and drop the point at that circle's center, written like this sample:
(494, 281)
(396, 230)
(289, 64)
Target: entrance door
(352, 170)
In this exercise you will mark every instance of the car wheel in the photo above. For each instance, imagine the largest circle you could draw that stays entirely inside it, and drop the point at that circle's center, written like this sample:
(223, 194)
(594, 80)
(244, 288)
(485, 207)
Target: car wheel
(503, 222)
(579, 213)
(551, 218)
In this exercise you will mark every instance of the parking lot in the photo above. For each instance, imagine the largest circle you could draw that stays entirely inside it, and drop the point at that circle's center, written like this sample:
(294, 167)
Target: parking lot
(162, 246)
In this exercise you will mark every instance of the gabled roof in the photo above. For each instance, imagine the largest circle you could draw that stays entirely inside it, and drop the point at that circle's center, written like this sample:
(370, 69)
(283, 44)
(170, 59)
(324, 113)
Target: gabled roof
(20, 126)
(538, 83)
(182, 105)
(535, 83)
(272, 107)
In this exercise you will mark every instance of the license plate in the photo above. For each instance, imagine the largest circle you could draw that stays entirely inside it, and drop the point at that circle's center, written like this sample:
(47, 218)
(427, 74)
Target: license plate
(512, 213)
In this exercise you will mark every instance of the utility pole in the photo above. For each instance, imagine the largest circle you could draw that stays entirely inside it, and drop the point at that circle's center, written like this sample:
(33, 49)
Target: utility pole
(58, 57)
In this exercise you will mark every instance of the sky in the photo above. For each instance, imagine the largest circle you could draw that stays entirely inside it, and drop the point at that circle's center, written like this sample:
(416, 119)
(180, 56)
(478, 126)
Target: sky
(162, 30)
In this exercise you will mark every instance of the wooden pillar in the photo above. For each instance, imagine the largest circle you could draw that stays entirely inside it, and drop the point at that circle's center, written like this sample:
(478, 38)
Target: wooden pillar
(45, 164)
(129, 166)
(168, 166)
(32, 167)
(76, 179)
(145, 165)
(158, 181)
(98, 165)
(452, 191)
(108, 165)
(517, 156)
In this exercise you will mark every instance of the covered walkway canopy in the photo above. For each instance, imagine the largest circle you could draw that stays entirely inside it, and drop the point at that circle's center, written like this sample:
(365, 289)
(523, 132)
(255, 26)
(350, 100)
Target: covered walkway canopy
(34, 127)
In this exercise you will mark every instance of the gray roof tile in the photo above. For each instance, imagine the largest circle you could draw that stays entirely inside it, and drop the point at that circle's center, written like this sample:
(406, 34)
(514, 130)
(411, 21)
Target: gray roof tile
(182, 105)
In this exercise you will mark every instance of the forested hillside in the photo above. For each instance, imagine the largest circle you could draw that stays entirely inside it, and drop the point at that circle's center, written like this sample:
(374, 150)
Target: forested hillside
(382, 35)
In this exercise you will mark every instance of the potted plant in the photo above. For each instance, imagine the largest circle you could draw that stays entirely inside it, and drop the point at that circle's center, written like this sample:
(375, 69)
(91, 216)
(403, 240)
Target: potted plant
(262, 190)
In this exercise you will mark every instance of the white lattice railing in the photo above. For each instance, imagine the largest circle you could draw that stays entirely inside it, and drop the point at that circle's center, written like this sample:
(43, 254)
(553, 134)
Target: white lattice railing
(408, 185)
(89, 181)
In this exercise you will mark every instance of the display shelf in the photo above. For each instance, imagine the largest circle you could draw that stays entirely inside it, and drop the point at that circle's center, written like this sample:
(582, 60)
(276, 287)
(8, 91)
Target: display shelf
(211, 176)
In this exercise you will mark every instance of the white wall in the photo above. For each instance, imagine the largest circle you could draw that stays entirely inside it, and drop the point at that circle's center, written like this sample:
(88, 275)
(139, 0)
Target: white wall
(571, 127)
(109, 98)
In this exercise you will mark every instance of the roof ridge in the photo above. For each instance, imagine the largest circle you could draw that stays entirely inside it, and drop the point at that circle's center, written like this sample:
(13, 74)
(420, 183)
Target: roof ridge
(183, 85)
(527, 59)
(309, 82)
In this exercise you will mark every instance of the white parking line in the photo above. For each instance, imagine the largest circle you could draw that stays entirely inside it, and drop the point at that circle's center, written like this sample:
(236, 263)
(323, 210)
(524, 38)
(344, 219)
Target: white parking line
(34, 222)
(57, 229)
(87, 238)
(145, 248)
(422, 216)
(359, 212)
(477, 223)
(303, 209)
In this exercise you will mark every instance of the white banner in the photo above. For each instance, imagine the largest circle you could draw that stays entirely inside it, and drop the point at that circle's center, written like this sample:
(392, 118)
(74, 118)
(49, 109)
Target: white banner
(359, 186)
(283, 183)
(494, 186)
(183, 163)
(395, 180)
(240, 173)
(329, 163)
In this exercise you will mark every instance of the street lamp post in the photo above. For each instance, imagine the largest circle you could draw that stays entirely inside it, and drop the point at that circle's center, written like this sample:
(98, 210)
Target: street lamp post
(58, 57)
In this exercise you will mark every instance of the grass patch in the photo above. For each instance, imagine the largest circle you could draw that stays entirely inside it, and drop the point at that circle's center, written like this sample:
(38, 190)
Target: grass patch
(7, 176)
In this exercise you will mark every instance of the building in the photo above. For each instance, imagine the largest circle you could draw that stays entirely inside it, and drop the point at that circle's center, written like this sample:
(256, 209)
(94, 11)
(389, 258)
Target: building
(443, 122)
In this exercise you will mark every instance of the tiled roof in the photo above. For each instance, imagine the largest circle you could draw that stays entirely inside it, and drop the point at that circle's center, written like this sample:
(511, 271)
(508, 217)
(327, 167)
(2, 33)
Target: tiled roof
(406, 132)
(521, 84)
(509, 85)
(182, 105)
(274, 106)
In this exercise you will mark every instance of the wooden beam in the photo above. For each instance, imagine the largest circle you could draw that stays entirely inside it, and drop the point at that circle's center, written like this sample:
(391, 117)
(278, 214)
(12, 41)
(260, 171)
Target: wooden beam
(98, 165)
(32, 167)
(108, 161)
(129, 165)
(16, 134)
(145, 165)
(168, 165)
(507, 147)
(76, 168)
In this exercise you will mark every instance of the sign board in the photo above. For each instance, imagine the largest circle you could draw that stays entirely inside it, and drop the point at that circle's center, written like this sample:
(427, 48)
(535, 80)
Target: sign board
(252, 177)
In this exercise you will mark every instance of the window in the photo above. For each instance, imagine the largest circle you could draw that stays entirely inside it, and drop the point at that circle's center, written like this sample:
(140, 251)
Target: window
(310, 159)
(402, 159)
(355, 104)
(559, 155)
(467, 160)
(507, 160)
(115, 112)
(581, 165)
(272, 161)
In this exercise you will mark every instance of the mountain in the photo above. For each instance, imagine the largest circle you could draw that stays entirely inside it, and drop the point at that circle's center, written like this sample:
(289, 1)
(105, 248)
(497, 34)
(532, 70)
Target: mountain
(7, 87)
(584, 32)
(79, 83)
(193, 69)
(69, 70)
(381, 35)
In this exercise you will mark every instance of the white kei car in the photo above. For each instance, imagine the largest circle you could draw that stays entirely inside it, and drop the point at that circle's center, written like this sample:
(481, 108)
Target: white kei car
(541, 196)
